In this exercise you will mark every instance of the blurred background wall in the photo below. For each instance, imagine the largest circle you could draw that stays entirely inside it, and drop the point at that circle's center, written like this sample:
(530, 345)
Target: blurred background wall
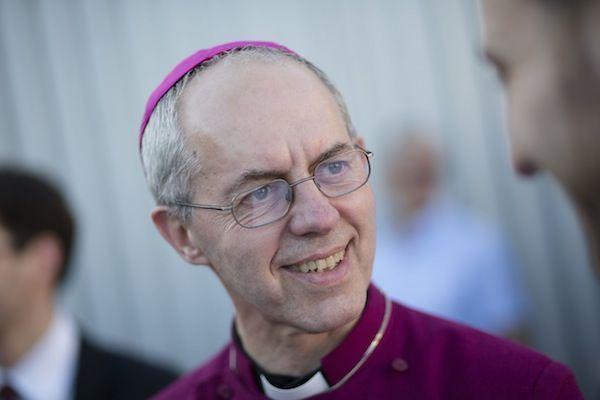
(74, 77)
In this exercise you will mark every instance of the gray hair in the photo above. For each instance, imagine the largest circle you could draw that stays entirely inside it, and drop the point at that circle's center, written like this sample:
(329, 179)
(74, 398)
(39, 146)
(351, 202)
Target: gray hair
(170, 166)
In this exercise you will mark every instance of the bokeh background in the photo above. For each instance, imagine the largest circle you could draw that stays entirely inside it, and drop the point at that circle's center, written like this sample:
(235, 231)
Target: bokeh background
(74, 77)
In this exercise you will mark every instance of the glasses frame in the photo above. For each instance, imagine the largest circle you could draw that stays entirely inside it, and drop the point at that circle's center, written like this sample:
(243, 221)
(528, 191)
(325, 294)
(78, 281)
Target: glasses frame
(238, 196)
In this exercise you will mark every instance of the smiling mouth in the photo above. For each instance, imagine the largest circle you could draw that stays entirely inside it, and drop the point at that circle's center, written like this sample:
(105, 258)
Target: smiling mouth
(322, 265)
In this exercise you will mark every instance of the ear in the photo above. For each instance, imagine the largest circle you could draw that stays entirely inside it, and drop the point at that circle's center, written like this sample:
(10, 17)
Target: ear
(47, 254)
(178, 235)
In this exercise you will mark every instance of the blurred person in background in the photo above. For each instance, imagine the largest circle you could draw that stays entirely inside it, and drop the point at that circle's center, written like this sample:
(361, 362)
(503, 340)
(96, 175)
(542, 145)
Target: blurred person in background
(43, 354)
(547, 55)
(437, 257)
(259, 174)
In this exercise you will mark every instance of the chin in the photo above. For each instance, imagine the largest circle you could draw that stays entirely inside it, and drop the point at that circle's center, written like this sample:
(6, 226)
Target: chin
(332, 315)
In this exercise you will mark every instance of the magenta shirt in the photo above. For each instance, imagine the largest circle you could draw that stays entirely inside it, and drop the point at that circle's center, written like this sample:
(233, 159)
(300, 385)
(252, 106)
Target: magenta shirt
(419, 357)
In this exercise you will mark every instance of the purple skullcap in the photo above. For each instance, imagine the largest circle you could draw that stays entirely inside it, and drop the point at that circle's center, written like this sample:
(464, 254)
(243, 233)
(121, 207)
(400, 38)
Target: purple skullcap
(190, 63)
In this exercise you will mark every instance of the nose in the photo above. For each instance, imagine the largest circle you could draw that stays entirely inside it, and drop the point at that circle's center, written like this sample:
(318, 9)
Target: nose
(311, 212)
(524, 166)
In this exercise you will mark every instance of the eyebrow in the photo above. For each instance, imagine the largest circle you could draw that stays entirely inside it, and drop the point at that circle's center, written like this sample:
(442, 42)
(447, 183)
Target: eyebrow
(333, 151)
(251, 175)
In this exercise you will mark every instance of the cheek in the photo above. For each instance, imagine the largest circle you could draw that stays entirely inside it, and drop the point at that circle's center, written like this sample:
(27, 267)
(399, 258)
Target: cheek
(9, 267)
(358, 210)
(242, 257)
(358, 207)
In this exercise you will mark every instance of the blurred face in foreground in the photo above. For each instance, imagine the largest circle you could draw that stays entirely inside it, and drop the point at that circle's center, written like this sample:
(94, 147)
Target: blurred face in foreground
(251, 123)
(548, 58)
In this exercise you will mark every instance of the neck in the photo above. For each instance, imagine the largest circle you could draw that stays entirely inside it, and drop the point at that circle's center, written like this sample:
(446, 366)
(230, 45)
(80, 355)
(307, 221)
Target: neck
(20, 334)
(285, 350)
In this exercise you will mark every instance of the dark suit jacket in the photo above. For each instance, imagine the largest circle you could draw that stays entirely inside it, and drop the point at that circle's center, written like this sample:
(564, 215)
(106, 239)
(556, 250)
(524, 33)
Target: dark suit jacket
(103, 374)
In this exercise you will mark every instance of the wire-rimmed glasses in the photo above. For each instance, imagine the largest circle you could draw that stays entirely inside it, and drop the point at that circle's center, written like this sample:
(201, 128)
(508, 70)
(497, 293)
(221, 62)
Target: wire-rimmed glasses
(334, 177)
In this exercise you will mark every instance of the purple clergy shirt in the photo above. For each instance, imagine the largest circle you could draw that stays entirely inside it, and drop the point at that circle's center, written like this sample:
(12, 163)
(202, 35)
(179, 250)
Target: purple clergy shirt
(418, 357)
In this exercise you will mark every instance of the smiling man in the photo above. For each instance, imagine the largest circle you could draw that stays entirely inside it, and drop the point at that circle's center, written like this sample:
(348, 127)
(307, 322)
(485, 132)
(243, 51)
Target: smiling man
(547, 54)
(258, 173)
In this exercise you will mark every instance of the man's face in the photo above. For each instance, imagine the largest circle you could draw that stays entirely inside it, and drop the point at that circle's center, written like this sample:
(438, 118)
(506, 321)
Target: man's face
(552, 90)
(14, 280)
(277, 121)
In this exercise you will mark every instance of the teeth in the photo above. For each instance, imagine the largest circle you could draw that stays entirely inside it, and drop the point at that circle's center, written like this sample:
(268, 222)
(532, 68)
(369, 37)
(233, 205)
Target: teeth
(323, 264)
(330, 262)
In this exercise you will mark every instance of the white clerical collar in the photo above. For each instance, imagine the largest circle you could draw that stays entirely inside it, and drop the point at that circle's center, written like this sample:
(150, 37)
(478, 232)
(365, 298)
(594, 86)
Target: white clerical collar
(315, 385)
(47, 372)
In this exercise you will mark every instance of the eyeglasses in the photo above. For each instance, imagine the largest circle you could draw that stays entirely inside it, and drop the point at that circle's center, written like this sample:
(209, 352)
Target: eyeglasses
(334, 177)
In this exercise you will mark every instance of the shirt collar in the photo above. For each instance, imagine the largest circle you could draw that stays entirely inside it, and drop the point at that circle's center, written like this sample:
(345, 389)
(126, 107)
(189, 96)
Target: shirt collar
(315, 385)
(47, 370)
(340, 362)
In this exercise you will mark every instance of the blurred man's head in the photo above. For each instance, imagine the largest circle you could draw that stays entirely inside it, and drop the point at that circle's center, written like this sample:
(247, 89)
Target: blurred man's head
(547, 53)
(36, 237)
(228, 136)
(413, 172)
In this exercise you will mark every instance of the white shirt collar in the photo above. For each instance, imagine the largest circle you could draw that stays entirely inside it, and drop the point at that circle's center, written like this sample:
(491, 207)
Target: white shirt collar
(47, 372)
(315, 385)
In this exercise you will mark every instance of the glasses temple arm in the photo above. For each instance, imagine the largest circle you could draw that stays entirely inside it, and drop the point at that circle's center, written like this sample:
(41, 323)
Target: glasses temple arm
(203, 206)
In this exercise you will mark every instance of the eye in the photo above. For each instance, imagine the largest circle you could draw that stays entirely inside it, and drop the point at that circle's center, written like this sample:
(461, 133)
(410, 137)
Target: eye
(335, 167)
(338, 169)
(265, 195)
(261, 193)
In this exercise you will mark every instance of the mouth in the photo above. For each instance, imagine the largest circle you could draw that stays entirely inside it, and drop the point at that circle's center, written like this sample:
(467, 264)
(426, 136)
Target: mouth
(319, 265)
(327, 271)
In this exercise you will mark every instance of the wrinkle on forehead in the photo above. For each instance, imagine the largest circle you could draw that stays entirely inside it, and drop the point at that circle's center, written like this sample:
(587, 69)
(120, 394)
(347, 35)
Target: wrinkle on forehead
(258, 116)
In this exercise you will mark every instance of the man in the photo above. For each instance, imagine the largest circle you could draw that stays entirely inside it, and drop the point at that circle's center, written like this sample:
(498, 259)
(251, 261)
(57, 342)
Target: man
(43, 356)
(547, 54)
(439, 257)
(258, 173)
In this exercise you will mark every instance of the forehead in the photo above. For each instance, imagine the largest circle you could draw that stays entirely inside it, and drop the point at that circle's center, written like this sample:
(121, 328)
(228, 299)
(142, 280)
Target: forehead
(510, 25)
(259, 114)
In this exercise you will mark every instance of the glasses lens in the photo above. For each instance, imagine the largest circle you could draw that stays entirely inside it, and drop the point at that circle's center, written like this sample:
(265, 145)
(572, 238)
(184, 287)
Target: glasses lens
(263, 205)
(343, 173)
